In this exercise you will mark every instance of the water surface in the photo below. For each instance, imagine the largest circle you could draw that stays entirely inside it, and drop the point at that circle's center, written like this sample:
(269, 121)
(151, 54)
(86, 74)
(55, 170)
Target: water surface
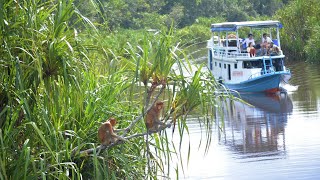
(276, 138)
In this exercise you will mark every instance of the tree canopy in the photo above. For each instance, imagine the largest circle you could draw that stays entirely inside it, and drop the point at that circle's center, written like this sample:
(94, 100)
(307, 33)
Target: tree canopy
(149, 13)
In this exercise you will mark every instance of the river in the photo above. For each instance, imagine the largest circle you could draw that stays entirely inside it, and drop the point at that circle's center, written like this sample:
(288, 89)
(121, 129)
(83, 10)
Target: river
(276, 138)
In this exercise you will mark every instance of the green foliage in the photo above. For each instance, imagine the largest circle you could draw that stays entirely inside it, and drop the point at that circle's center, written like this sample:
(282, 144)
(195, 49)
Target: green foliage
(115, 14)
(230, 10)
(193, 34)
(198, 32)
(112, 15)
(267, 7)
(300, 19)
(52, 94)
(62, 74)
(313, 45)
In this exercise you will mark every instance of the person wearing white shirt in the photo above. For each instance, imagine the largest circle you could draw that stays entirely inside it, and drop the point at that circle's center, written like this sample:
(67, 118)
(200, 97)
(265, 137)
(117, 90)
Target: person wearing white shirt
(265, 38)
(249, 39)
(265, 43)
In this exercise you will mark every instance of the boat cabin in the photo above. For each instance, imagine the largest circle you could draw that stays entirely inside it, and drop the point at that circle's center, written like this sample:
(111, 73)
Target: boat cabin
(231, 61)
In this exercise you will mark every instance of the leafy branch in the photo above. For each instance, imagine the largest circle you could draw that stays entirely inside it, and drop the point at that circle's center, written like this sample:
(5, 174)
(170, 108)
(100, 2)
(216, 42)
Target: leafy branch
(99, 148)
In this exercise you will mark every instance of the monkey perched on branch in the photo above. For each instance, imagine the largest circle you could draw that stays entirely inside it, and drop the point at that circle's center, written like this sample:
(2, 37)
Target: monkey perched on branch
(152, 118)
(106, 132)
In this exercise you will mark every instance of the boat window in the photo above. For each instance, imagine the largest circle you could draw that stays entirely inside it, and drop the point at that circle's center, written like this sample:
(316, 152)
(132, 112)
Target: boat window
(252, 64)
(257, 64)
(236, 66)
(232, 43)
(247, 65)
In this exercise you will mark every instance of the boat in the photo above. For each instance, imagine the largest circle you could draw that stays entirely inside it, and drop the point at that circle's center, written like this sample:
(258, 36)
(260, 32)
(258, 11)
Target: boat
(238, 70)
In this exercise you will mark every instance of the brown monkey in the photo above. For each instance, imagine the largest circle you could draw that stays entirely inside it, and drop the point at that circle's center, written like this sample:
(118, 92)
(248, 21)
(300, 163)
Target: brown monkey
(113, 123)
(152, 118)
(106, 133)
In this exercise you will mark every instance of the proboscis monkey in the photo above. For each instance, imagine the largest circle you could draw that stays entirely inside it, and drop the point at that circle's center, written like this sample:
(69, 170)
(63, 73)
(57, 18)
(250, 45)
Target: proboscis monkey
(153, 123)
(152, 118)
(106, 134)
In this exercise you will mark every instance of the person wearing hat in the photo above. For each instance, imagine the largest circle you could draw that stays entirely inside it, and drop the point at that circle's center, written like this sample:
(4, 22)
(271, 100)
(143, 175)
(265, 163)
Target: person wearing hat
(249, 39)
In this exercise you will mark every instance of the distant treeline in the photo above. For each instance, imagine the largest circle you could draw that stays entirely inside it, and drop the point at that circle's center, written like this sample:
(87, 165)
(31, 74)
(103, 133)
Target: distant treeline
(153, 13)
(192, 18)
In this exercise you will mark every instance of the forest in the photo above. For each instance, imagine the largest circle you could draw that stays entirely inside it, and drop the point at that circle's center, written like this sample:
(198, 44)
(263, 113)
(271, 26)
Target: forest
(191, 19)
(66, 67)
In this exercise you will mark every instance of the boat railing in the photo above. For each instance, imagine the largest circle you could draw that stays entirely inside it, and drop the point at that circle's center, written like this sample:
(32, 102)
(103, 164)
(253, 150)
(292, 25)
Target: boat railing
(228, 53)
(237, 54)
(268, 71)
(233, 52)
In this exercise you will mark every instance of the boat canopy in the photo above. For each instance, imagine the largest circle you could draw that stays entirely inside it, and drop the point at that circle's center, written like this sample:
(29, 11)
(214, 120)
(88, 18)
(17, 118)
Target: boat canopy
(234, 26)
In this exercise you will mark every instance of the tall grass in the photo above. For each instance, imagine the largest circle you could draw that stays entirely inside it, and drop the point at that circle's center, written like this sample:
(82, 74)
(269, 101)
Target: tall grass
(60, 78)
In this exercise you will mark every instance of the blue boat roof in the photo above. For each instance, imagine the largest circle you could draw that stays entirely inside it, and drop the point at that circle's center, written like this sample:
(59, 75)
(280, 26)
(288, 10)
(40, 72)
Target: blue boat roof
(234, 26)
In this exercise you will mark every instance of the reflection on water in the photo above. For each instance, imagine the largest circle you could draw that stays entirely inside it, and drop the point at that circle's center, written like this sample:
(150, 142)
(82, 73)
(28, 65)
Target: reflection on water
(258, 130)
(276, 138)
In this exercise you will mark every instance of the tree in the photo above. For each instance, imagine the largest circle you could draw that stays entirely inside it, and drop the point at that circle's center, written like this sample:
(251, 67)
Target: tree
(266, 7)
(298, 18)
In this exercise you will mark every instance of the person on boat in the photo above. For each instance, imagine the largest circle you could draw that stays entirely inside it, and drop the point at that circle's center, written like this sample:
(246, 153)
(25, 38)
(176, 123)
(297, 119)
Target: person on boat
(258, 49)
(266, 43)
(249, 39)
(251, 50)
(274, 49)
(265, 38)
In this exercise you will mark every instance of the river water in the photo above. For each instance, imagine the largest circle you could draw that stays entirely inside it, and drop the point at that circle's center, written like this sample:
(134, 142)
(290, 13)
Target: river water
(276, 138)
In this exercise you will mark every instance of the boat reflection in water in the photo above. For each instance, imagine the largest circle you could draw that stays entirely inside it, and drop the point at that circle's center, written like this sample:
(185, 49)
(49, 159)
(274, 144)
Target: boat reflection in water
(258, 131)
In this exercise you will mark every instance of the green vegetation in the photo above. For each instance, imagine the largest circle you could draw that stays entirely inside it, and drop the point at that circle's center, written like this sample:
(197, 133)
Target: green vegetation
(62, 75)
(300, 35)
(67, 66)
